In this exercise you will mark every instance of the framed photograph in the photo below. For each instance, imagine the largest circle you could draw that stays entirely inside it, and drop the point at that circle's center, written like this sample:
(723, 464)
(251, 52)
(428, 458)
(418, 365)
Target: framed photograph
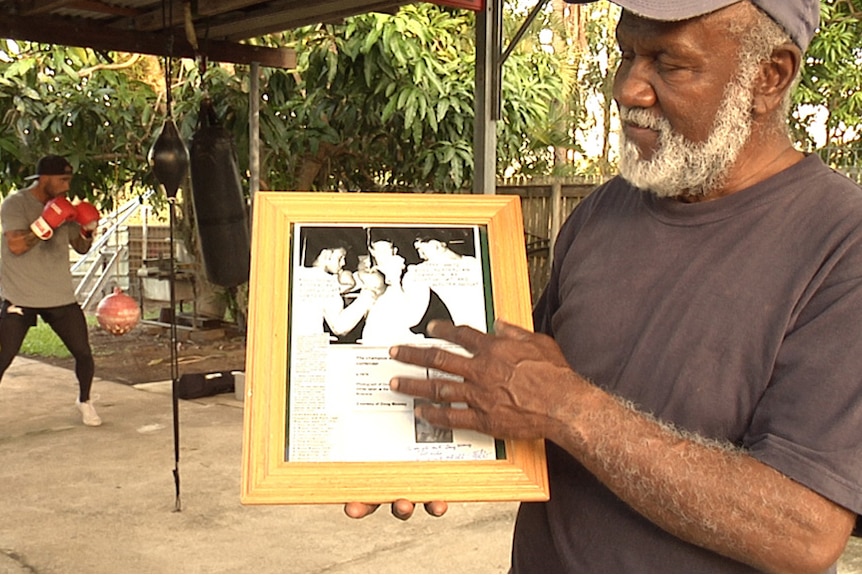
(338, 278)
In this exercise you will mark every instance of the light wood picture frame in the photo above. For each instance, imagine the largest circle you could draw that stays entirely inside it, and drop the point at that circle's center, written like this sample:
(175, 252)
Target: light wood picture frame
(284, 227)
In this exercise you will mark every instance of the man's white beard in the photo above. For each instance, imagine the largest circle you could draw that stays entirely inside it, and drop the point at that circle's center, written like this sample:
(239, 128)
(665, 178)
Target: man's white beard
(680, 167)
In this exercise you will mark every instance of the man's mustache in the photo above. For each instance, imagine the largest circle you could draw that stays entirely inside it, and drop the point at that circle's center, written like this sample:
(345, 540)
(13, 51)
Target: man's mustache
(641, 118)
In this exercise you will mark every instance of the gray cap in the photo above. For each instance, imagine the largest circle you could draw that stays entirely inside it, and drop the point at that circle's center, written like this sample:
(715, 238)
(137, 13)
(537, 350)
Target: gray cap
(799, 18)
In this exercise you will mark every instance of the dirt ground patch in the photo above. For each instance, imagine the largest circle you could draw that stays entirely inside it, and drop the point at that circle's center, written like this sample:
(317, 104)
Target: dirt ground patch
(144, 354)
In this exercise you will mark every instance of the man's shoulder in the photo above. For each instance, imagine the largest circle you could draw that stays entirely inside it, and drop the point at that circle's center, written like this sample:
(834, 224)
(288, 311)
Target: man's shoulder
(812, 171)
(14, 206)
(319, 277)
(611, 195)
(311, 272)
(14, 196)
(825, 191)
(20, 197)
(610, 190)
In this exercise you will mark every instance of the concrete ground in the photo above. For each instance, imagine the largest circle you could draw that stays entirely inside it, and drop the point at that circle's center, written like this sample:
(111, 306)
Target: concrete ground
(101, 500)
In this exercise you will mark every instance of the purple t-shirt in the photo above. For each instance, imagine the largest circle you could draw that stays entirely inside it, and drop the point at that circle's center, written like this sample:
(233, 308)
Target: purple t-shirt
(739, 319)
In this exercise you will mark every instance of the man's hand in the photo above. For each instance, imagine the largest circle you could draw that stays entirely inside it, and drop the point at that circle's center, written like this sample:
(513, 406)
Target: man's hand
(56, 212)
(401, 508)
(516, 384)
(87, 217)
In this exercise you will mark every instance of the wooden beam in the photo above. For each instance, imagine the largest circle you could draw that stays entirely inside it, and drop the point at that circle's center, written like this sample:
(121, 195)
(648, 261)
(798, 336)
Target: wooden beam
(43, 6)
(282, 16)
(76, 33)
(102, 8)
(240, 19)
(154, 19)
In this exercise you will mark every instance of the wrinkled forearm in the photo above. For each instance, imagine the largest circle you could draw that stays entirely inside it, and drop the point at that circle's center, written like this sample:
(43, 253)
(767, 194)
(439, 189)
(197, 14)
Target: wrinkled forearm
(711, 495)
(708, 494)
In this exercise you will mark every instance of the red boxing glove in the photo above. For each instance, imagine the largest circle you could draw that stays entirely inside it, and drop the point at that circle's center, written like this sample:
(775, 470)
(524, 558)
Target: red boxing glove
(87, 216)
(56, 212)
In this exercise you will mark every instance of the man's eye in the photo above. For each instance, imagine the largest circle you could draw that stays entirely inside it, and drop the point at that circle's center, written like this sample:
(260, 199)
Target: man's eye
(669, 65)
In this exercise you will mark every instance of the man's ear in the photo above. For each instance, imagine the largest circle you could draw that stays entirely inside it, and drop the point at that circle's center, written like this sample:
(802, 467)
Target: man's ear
(776, 78)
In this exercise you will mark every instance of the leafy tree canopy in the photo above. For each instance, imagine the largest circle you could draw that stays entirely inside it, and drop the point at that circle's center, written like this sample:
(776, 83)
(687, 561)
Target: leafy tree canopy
(71, 101)
(378, 103)
(830, 87)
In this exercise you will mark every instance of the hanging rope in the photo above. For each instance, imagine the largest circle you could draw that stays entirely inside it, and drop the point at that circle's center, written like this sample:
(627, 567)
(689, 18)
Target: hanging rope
(175, 364)
(175, 369)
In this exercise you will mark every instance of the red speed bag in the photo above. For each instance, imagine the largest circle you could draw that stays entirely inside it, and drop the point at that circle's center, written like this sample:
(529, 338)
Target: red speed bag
(118, 313)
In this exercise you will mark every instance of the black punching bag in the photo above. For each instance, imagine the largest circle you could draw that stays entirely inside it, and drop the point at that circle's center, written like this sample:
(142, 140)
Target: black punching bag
(220, 209)
(169, 158)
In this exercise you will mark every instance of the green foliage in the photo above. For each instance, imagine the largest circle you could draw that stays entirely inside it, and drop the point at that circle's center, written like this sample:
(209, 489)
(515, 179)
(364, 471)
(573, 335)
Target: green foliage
(41, 341)
(833, 75)
(380, 102)
(532, 83)
(73, 102)
(386, 103)
(591, 89)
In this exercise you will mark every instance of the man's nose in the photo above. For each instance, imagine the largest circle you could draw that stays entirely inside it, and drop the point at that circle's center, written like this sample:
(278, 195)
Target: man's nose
(633, 86)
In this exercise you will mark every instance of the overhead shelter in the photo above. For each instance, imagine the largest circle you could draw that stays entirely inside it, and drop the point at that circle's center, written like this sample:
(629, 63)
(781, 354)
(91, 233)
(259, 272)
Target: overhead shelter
(218, 30)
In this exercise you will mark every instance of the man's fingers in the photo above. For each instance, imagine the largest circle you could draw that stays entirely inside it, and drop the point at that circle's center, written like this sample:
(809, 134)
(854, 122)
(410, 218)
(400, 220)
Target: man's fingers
(436, 508)
(472, 340)
(433, 357)
(359, 510)
(403, 509)
(465, 336)
(510, 330)
(441, 390)
(441, 329)
(450, 417)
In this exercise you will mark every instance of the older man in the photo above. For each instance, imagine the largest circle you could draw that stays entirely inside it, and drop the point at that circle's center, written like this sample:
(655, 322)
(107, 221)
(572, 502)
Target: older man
(700, 380)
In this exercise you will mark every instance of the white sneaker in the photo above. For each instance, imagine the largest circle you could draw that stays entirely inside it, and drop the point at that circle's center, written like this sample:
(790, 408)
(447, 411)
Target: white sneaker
(88, 413)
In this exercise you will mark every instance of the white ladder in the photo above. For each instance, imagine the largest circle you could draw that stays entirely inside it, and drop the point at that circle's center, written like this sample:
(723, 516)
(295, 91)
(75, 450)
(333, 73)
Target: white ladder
(102, 261)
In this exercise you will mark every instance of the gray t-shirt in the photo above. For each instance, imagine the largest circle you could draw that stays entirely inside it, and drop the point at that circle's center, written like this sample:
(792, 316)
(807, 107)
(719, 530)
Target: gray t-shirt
(738, 319)
(40, 277)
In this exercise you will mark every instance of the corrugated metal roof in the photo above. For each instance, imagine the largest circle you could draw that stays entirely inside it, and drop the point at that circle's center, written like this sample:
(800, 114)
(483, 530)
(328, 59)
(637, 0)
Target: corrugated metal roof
(218, 28)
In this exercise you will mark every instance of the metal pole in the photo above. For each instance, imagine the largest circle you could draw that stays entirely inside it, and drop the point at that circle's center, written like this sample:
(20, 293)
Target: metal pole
(486, 92)
(175, 368)
(522, 30)
(254, 131)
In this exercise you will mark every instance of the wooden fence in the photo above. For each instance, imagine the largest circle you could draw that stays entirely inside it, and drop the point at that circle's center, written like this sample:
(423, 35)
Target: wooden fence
(158, 246)
(545, 205)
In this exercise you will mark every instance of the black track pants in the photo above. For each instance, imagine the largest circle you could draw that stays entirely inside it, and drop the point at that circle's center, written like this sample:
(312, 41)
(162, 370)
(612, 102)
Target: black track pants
(68, 323)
